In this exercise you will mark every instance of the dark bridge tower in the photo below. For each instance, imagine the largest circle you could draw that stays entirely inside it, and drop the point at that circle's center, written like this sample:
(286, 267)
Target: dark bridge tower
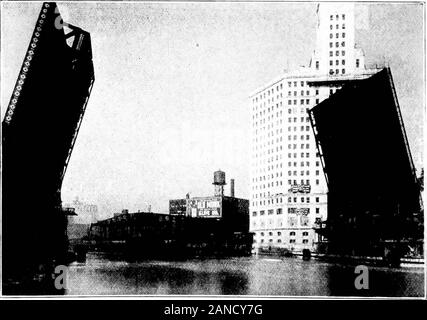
(39, 130)
(373, 198)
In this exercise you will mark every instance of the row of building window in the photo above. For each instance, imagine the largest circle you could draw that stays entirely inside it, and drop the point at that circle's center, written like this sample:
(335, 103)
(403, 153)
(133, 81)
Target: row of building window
(270, 92)
(295, 93)
(294, 146)
(264, 178)
(307, 155)
(295, 137)
(295, 119)
(269, 101)
(337, 53)
(271, 151)
(337, 62)
(307, 102)
(294, 128)
(270, 108)
(295, 199)
(290, 183)
(302, 164)
(261, 122)
(271, 167)
(271, 133)
(307, 173)
(304, 241)
(303, 83)
(337, 26)
(279, 211)
(278, 139)
(269, 185)
(290, 200)
(291, 234)
(292, 221)
(263, 154)
(337, 71)
(337, 17)
(337, 44)
(337, 35)
(262, 113)
(269, 113)
(268, 127)
(267, 93)
(270, 202)
(264, 161)
(291, 110)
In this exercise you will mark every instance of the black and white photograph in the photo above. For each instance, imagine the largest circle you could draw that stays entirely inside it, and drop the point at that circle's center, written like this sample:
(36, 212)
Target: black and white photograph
(230, 149)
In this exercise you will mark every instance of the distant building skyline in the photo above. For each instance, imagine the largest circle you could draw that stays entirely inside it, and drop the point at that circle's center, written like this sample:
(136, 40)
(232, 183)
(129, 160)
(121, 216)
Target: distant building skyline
(87, 213)
(172, 80)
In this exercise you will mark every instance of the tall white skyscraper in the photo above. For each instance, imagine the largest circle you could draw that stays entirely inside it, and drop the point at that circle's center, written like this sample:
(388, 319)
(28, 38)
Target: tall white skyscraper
(288, 187)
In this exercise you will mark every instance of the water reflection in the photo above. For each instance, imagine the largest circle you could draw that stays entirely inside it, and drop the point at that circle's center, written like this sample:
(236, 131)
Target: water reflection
(382, 282)
(102, 275)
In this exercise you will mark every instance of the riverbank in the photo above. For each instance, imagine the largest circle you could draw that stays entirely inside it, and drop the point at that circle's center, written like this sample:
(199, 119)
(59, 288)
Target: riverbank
(350, 260)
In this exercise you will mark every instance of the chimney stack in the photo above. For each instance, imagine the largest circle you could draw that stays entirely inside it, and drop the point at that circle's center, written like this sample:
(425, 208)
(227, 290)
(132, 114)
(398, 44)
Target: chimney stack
(232, 188)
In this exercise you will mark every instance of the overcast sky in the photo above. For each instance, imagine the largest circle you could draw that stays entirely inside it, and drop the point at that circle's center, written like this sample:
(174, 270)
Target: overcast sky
(170, 102)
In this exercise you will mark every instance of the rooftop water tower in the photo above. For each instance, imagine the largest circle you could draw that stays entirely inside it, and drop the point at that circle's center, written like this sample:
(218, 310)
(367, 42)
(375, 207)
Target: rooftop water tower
(219, 183)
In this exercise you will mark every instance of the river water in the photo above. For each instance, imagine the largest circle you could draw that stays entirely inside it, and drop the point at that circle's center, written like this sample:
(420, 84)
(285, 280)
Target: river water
(254, 276)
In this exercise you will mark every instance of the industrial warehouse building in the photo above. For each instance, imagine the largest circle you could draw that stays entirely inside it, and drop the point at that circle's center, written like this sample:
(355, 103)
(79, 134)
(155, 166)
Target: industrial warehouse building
(203, 226)
(233, 211)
